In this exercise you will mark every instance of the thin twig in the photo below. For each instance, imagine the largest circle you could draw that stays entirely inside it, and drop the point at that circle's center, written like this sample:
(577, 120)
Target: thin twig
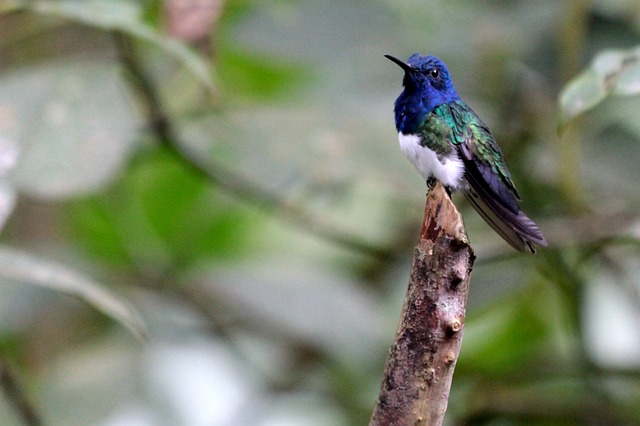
(230, 181)
(17, 397)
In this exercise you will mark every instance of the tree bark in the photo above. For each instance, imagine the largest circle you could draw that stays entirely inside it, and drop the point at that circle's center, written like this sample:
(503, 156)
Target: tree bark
(417, 376)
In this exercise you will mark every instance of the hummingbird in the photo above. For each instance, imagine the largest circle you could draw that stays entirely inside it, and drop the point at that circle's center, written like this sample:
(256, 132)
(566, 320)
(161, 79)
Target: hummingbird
(446, 141)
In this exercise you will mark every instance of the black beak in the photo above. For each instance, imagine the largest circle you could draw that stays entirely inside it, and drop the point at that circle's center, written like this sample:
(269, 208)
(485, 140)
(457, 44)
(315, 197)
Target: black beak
(406, 67)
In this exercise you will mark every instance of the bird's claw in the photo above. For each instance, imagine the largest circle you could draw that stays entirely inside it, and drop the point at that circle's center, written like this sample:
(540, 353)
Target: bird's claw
(431, 182)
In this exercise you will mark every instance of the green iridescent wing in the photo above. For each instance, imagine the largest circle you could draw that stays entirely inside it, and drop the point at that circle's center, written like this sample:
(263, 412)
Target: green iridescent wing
(477, 144)
(436, 134)
(490, 188)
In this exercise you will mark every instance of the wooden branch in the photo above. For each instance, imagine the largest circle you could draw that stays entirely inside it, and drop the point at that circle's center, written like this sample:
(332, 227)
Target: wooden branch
(419, 370)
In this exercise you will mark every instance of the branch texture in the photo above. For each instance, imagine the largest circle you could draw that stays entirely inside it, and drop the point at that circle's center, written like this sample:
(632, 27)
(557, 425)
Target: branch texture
(417, 377)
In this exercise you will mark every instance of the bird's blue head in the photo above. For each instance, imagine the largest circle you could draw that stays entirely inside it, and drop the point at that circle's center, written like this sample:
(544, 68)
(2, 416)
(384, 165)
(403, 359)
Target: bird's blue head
(427, 84)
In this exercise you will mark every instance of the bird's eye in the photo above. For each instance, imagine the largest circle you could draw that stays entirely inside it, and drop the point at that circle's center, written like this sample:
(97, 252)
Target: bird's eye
(433, 72)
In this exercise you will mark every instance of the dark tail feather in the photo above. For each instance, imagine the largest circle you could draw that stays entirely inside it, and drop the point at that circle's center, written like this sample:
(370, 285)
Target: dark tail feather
(515, 228)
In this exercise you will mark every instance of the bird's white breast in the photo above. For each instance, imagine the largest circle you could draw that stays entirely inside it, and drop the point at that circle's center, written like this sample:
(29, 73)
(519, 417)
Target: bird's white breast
(447, 169)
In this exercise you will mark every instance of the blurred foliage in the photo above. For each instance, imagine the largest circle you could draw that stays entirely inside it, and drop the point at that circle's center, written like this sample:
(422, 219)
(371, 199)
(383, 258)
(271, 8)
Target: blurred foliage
(613, 72)
(223, 177)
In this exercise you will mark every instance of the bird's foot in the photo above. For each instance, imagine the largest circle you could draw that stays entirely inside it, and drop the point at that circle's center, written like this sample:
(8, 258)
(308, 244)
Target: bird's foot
(431, 182)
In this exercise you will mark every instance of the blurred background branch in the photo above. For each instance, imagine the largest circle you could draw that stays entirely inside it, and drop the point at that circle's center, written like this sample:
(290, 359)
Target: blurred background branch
(14, 393)
(235, 184)
(572, 40)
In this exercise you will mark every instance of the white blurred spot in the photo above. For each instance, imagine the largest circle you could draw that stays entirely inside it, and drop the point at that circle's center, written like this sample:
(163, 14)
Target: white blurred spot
(200, 383)
(300, 409)
(7, 201)
(611, 320)
(131, 415)
(56, 113)
(9, 152)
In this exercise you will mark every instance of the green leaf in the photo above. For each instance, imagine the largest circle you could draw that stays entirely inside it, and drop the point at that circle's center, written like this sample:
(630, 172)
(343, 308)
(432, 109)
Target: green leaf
(628, 83)
(159, 215)
(73, 124)
(259, 78)
(612, 72)
(94, 225)
(510, 334)
(126, 16)
(190, 217)
(581, 94)
(22, 268)
(608, 62)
